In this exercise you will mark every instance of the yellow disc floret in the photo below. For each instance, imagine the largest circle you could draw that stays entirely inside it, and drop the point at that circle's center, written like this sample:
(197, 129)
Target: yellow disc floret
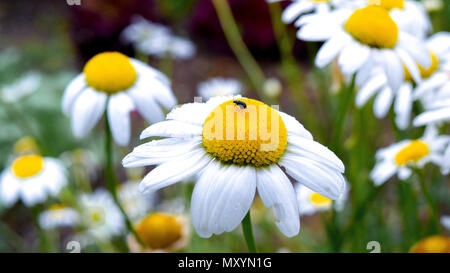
(245, 132)
(27, 166)
(424, 72)
(110, 72)
(388, 4)
(373, 26)
(413, 152)
(159, 230)
(432, 244)
(319, 200)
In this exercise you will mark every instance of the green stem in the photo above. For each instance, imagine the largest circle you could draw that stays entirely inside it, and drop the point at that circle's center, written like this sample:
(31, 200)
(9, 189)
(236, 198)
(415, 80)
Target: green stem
(347, 94)
(112, 180)
(248, 233)
(233, 36)
(430, 202)
(292, 72)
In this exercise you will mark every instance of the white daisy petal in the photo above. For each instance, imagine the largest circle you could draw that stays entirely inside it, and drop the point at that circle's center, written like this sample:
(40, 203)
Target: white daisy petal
(393, 68)
(432, 117)
(87, 110)
(403, 106)
(220, 201)
(9, 188)
(313, 150)
(277, 191)
(159, 151)
(382, 172)
(294, 127)
(352, 57)
(330, 49)
(119, 108)
(295, 9)
(369, 89)
(172, 128)
(145, 103)
(73, 89)
(317, 177)
(383, 102)
(174, 171)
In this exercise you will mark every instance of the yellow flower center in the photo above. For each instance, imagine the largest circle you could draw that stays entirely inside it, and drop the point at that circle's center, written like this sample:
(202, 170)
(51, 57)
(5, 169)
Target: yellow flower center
(413, 152)
(159, 230)
(27, 166)
(319, 200)
(424, 72)
(373, 26)
(388, 4)
(110, 72)
(245, 132)
(97, 215)
(433, 244)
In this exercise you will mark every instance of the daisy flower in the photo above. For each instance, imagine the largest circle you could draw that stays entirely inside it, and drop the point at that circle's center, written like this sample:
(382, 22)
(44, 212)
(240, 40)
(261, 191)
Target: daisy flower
(31, 178)
(117, 84)
(434, 92)
(310, 202)
(235, 145)
(100, 215)
(157, 40)
(432, 244)
(160, 232)
(362, 40)
(135, 204)
(219, 87)
(58, 215)
(430, 78)
(399, 158)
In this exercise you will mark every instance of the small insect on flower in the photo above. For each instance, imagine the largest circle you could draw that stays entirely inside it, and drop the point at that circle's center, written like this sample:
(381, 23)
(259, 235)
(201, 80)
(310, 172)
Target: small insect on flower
(31, 178)
(160, 232)
(219, 87)
(100, 215)
(118, 84)
(58, 215)
(432, 244)
(235, 145)
(363, 40)
(401, 157)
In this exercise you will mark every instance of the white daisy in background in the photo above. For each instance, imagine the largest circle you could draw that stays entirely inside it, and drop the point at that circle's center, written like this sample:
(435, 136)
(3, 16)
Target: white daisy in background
(160, 232)
(433, 5)
(135, 204)
(445, 221)
(363, 40)
(157, 40)
(400, 158)
(219, 87)
(118, 84)
(22, 87)
(31, 178)
(433, 77)
(310, 202)
(100, 215)
(434, 92)
(58, 215)
(234, 146)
